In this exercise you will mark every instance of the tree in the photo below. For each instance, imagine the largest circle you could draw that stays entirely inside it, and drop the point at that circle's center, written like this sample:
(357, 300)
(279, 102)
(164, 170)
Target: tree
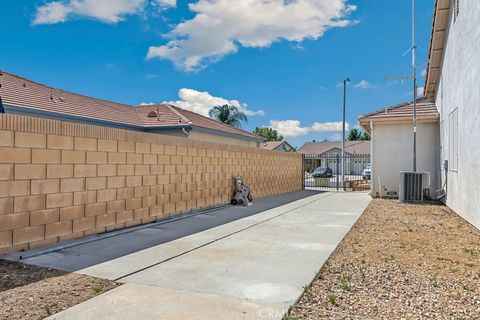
(354, 135)
(228, 114)
(357, 135)
(268, 133)
(365, 137)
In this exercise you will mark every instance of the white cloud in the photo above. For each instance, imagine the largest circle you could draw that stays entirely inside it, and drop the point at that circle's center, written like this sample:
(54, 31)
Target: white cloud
(424, 73)
(289, 128)
(335, 137)
(420, 91)
(364, 84)
(109, 11)
(147, 104)
(220, 27)
(50, 13)
(201, 102)
(293, 128)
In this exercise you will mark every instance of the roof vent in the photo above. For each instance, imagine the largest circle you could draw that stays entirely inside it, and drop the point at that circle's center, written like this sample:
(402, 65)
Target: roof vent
(154, 114)
(51, 95)
(386, 110)
(24, 84)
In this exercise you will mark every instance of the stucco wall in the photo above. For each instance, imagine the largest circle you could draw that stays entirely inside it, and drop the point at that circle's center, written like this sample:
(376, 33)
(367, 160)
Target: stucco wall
(392, 146)
(459, 87)
(63, 180)
(203, 136)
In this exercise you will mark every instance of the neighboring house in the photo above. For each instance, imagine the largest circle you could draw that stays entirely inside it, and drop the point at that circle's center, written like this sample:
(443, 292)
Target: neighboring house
(282, 146)
(324, 154)
(452, 87)
(391, 135)
(21, 96)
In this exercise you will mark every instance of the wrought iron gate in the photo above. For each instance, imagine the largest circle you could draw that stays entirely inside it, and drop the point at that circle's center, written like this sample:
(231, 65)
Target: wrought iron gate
(324, 171)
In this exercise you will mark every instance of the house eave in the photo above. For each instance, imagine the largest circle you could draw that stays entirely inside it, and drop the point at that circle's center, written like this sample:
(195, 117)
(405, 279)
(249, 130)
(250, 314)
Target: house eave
(438, 39)
(365, 122)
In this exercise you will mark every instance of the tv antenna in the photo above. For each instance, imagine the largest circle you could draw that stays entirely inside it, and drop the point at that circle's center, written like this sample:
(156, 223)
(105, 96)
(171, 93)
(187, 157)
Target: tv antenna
(413, 77)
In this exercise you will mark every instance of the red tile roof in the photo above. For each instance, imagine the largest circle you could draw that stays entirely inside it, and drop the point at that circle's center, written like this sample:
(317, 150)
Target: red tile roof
(425, 110)
(271, 145)
(352, 147)
(25, 94)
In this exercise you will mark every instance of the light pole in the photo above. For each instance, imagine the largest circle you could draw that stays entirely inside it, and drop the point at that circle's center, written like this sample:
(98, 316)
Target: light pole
(414, 66)
(343, 127)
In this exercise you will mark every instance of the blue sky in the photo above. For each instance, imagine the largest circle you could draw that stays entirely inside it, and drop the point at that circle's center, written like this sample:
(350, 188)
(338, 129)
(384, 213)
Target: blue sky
(281, 61)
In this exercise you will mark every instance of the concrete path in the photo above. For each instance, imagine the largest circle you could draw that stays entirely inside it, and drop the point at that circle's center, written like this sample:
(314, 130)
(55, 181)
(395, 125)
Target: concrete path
(139, 238)
(252, 268)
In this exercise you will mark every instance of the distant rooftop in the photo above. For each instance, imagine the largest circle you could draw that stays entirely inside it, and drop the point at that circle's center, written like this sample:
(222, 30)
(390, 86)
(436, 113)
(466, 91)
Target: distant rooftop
(271, 145)
(352, 147)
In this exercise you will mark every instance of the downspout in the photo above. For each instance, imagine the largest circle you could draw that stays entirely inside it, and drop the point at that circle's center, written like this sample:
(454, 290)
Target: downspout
(186, 132)
(372, 167)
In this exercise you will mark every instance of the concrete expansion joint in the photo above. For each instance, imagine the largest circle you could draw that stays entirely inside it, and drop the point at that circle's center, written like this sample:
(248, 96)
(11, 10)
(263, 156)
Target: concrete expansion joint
(223, 237)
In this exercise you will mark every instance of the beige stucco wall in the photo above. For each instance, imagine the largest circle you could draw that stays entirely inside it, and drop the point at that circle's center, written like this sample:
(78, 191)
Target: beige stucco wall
(391, 151)
(203, 136)
(458, 89)
(63, 180)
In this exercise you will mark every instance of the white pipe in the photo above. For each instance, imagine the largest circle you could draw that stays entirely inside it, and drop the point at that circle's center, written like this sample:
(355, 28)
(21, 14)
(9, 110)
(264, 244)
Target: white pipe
(379, 187)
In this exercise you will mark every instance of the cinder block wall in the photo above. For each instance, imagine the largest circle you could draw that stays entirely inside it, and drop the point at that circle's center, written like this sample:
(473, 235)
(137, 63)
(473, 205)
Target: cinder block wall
(64, 180)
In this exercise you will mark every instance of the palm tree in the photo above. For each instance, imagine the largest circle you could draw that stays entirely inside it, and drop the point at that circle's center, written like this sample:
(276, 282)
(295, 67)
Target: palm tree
(228, 114)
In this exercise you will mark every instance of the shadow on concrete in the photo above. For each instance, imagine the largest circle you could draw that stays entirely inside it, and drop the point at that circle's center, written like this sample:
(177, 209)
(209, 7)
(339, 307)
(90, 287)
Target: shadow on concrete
(92, 253)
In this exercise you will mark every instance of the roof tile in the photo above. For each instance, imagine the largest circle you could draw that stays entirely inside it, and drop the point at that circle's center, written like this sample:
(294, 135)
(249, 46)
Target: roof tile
(20, 92)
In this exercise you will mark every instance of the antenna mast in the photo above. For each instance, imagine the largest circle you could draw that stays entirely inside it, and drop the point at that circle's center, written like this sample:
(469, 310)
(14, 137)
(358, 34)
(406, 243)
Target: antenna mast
(414, 66)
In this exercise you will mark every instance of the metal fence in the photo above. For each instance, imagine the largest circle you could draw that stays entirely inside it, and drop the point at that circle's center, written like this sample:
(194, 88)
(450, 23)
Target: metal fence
(324, 171)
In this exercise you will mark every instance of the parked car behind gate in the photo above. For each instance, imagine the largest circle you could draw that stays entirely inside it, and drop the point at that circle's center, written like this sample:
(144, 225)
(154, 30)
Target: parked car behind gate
(322, 172)
(367, 172)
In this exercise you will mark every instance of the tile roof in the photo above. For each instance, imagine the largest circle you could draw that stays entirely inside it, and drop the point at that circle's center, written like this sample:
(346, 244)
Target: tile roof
(271, 145)
(25, 94)
(425, 110)
(352, 147)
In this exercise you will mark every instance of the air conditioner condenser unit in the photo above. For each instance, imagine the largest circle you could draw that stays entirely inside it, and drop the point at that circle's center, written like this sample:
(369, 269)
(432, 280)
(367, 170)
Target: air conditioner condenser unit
(414, 186)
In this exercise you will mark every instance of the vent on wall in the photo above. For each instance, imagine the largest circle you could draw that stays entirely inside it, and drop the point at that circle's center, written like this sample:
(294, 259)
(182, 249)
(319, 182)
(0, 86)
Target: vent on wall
(414, 186)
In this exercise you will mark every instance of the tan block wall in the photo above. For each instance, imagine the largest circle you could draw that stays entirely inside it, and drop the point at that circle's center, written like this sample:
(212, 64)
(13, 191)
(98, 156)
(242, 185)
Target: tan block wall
(63, 180)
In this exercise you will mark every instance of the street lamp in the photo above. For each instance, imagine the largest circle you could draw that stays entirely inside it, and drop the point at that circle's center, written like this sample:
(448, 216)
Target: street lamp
(343, 127)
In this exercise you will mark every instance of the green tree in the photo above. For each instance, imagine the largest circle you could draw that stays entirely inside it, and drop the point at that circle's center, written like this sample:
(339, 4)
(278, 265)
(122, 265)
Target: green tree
(354, 135)
(228, 114)
(365, 137)
(268, 133)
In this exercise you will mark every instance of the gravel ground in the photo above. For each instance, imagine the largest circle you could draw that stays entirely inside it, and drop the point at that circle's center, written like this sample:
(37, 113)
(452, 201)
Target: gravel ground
(399, 261)
(30, 292)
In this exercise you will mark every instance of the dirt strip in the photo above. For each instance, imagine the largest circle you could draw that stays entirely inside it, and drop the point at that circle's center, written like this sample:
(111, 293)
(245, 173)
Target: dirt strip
(399, 261)
(30, 292)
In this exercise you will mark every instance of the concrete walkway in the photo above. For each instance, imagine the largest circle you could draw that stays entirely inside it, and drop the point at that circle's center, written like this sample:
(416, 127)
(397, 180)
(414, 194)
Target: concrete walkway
(252, 268)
